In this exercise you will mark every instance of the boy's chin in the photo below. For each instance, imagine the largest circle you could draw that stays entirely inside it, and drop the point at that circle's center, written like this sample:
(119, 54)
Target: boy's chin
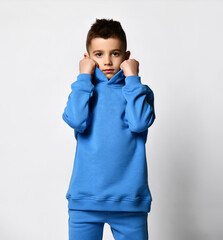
(109, 75)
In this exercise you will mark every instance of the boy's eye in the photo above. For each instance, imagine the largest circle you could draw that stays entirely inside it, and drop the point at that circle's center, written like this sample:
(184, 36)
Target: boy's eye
(99, 54)
(116, 53)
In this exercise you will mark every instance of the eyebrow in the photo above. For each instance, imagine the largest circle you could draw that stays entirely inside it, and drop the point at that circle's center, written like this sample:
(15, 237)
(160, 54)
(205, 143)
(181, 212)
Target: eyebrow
(111, 50)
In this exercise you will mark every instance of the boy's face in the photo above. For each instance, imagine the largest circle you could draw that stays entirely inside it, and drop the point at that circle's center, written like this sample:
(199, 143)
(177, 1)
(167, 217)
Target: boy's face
(108, 53)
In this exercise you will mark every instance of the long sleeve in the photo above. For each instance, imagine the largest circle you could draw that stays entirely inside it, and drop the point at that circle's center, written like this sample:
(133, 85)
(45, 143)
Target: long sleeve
(76, 113)
(140, 111)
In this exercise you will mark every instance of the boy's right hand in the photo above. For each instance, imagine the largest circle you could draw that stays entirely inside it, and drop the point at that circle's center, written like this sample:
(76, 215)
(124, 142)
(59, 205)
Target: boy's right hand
(87, 65)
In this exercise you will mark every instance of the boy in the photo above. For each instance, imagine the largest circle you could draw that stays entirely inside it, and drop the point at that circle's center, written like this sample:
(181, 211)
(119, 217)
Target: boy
(110, 111)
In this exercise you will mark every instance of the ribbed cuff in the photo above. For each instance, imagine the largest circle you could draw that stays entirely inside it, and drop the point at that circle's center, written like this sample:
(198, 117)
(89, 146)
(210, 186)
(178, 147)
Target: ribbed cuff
(84, 76)
(132, 80)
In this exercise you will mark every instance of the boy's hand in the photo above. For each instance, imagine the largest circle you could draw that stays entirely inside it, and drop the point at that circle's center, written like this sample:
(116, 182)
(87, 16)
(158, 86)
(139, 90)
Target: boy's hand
(87, 65)
(130, 67)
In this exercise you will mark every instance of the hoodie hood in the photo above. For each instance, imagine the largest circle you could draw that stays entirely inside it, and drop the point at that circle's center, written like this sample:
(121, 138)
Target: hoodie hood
(100, 77)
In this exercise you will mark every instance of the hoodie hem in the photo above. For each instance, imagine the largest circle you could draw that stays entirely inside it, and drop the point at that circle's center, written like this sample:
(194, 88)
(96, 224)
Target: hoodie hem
(109, 205)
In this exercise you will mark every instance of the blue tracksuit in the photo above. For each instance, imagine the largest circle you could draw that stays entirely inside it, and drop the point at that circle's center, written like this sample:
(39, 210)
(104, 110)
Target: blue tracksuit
(110, 119)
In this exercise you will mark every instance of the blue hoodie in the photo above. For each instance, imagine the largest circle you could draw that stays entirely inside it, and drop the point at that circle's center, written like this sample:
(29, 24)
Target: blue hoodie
(110, 119)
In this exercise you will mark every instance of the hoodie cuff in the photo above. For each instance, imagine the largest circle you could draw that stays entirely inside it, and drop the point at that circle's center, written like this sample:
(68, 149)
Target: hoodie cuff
(132, 80)
(84, 77)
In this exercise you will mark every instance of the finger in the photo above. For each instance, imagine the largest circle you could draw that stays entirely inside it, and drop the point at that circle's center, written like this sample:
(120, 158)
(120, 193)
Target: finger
(96, 63)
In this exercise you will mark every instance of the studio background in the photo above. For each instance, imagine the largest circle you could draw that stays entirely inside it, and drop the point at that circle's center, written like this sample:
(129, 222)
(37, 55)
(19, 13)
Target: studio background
(179, 48)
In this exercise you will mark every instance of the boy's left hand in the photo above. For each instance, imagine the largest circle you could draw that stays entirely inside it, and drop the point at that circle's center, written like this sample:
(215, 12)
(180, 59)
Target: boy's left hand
(130, 67)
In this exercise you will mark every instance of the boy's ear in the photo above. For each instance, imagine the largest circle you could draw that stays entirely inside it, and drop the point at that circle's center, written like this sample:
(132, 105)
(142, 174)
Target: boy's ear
(127, 55)
(86, 55)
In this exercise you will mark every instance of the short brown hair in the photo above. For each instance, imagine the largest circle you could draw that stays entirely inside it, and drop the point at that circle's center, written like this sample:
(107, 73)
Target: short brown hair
(106, 28)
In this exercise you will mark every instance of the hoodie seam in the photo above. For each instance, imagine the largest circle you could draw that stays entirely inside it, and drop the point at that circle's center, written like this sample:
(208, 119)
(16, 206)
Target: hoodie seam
(110, 86)
(115, 86)
(111, 199)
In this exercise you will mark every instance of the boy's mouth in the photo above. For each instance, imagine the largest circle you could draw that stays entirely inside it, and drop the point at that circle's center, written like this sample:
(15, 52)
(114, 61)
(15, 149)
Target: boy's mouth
(108, 70)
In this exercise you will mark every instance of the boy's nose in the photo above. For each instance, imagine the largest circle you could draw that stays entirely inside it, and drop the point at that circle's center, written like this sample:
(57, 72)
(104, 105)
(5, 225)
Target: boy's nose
(107, 61)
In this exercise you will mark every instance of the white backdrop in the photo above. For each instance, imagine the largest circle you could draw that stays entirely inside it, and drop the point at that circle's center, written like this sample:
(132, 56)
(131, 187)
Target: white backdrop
(179, 47)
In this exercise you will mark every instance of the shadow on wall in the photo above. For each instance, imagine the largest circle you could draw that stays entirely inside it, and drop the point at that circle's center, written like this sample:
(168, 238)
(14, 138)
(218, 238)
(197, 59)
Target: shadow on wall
(186, 208)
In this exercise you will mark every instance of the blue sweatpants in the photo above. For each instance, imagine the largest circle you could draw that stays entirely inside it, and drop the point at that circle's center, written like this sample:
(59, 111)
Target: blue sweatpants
(88, 225)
